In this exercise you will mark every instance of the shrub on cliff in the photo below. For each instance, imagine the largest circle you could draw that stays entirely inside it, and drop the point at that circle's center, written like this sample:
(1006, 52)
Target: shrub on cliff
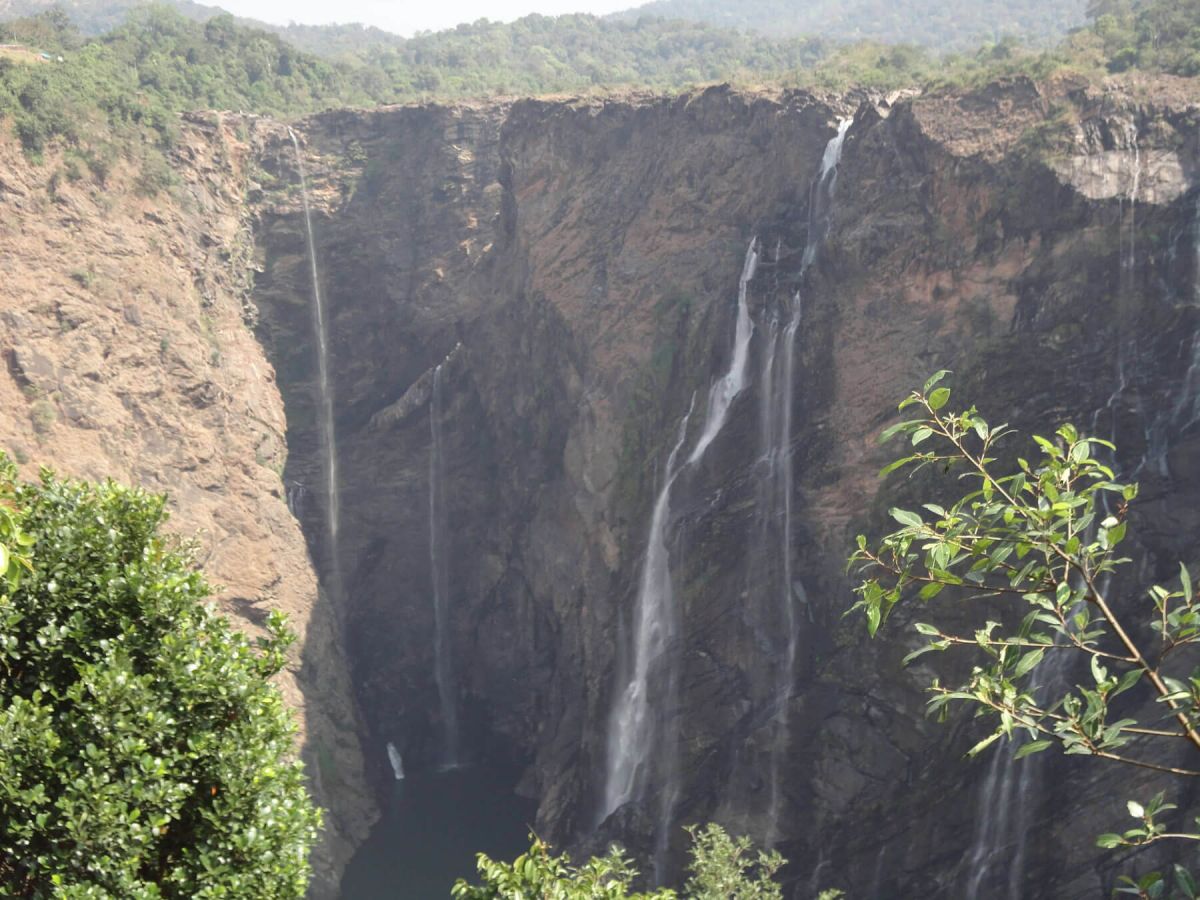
(1062, 657)
(143, 750)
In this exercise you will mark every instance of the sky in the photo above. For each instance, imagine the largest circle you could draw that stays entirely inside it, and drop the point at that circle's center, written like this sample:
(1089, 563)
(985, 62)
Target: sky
(407, 16)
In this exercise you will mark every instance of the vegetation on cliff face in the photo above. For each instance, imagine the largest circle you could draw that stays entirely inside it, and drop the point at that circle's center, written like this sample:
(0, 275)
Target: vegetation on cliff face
(144, 751)
(1037, 550)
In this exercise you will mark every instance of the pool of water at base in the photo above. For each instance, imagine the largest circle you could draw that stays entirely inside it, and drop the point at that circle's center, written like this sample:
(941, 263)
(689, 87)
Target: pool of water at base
(429, 834)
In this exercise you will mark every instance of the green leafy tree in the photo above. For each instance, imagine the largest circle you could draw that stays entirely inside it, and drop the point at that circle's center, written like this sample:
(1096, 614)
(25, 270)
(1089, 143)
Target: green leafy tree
(1037, 551)
(144, 752)
(721, 867)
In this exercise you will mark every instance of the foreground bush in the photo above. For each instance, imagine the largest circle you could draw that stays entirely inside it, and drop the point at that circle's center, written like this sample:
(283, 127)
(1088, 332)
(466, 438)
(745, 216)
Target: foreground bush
(143, 751)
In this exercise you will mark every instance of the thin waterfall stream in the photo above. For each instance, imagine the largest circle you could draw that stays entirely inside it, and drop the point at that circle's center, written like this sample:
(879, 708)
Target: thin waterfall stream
(779, 393)
(324, 387)
(440, 578)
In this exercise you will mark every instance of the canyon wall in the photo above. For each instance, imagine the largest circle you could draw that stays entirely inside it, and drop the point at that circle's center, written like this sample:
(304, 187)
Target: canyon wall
(573, 266)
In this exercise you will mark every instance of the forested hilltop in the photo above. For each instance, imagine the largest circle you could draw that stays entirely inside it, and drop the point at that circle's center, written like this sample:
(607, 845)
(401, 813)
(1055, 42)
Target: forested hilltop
(934, 23)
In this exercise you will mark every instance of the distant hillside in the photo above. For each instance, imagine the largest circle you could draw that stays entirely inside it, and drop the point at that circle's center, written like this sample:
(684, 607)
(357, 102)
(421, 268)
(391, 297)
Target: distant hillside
(958, 25)
(97, 16)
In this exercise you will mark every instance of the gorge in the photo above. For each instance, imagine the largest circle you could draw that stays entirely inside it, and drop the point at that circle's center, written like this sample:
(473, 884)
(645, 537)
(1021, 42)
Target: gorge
(580, 397)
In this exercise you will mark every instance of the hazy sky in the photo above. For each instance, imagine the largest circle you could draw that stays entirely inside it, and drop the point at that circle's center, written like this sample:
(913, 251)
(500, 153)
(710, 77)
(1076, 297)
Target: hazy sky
(407, 16)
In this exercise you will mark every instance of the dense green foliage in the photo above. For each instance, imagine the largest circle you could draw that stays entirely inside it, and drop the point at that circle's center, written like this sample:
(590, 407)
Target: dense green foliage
(1159, 36)
(721, 867)
(143, 750)
(934, 23)
(539, 54)
(146, 72)
(1036, 551)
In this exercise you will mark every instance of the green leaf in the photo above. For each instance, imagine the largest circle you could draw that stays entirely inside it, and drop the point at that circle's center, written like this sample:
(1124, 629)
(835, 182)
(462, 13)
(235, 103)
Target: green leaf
(939, 398)
(1031, 748)
(934, 379)
(921, 434)
(892, 431)
(893, 466)
(931, 590)
(1183, 577)
(984, 744)
(904, 517)
(1109, 841)
(1028, 661)
(1136, 809)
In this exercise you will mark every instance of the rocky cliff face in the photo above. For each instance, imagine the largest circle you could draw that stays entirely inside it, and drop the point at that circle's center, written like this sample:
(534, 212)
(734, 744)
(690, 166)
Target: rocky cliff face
(575, 265)
(128, 354)
(572, 266)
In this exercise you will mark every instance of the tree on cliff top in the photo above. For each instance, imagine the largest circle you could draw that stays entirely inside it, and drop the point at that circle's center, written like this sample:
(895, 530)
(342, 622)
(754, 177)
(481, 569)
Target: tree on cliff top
(143, 750)
(1044, 541)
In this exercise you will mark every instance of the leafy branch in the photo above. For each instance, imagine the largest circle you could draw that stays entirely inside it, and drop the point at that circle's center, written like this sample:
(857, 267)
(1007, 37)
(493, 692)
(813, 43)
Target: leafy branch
(1044, 539)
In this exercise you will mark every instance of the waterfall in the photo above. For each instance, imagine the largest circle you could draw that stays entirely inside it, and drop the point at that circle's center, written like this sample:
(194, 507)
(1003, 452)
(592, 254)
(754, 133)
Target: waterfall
(324, 388)
(779, 396)
(633, 734)
(726, 389)
(443, 668)
(396, 760)
(1186, 411)
(1132, 138)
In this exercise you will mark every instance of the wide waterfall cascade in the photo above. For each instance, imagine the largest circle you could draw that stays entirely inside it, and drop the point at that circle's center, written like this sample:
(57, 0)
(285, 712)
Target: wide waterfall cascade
(778, 391)
(324, 387)
(396, 760)
(439, 575)
(726, 389)
(633, 738)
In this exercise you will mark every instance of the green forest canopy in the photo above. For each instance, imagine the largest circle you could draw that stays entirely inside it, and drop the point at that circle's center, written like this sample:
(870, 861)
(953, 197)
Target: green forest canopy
(960, 25)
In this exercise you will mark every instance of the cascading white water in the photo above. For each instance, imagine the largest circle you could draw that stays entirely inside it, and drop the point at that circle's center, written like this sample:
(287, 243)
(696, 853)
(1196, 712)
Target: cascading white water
(396, 760)
(780, 473)
(324, 387)
(439, 574)
(726, 389)
(633, 727)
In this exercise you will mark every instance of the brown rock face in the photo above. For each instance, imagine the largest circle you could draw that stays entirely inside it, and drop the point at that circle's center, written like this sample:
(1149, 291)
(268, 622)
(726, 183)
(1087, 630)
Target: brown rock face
(128, 354)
